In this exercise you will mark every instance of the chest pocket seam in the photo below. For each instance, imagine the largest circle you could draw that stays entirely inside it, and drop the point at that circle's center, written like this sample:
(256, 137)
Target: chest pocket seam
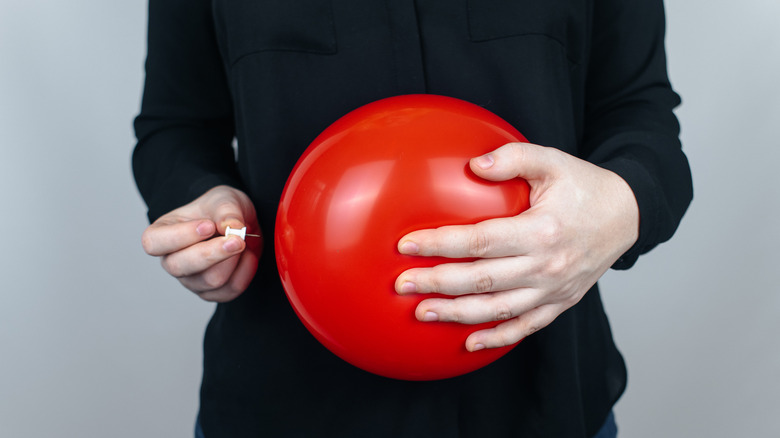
(253, 27)
(497, 20)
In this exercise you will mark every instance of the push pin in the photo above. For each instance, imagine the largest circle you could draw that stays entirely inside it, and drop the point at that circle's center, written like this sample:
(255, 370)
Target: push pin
(240, 233)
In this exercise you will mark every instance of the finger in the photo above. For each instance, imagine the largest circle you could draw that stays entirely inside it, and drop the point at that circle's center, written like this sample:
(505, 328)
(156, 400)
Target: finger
(237, 282)
(487, 239)
(484, 275)
(202, 256)
(514, 330)
(476, 309)
(212, 279)
(513, 160)
(226, 211)
(226, 281)
(162, 238)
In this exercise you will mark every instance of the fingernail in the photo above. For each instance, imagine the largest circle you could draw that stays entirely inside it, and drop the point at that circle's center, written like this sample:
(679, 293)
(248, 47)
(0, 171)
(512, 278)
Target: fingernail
(232, 244)
(485, 161)
(478, 347)
(409, 248)
(232, 222)
(408, 287)
(430, 316)
(205, 229)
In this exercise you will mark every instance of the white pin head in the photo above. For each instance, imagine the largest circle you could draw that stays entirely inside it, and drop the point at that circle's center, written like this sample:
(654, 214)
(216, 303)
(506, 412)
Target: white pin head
(235, 232)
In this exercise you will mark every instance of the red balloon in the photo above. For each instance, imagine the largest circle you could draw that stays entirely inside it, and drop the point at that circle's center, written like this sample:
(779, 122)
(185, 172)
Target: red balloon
(383, 170)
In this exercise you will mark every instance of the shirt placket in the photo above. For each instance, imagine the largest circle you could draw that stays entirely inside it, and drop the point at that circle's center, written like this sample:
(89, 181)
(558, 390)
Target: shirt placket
(407, 46)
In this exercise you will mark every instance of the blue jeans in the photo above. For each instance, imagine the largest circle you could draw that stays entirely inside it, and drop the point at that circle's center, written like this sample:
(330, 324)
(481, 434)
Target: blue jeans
(608, 430)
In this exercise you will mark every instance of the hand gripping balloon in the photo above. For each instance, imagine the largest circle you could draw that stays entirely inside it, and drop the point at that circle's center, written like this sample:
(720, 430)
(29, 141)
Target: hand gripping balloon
(383, 170)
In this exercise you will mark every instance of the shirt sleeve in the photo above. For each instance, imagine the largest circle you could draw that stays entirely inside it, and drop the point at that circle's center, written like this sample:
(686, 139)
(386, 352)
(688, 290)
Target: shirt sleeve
(185, 127)
(630, 127)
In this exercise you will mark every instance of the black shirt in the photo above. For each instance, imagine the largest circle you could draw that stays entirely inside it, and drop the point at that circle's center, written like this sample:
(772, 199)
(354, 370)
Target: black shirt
(585, 76)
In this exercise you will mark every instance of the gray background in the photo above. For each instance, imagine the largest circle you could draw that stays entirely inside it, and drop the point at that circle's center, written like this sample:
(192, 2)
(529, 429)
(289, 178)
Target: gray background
(96, 341)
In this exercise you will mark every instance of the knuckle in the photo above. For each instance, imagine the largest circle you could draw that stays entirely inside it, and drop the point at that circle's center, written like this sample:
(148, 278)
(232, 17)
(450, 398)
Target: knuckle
(483, 282)
(214, 279)
(435, 285)
(532, 327)
(228, 207)
(557, 266)
(502, 311)
(433, 282)
(456, 316)
(172, 266)
(147, 242)
(550, 231)
(478, 243)
(209, 254)
(449, 310)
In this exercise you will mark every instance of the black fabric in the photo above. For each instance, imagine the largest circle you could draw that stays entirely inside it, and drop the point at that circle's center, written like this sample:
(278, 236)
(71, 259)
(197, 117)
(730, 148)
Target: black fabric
(586, 76)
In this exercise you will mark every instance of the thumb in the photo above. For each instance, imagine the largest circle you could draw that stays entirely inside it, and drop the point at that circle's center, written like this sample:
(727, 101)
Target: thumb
(225, 208)
(229, 214)
(516, 160)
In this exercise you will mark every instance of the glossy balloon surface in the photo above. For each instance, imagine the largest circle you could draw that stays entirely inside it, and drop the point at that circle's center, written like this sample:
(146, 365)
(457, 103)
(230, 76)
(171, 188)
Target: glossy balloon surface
(388, 168)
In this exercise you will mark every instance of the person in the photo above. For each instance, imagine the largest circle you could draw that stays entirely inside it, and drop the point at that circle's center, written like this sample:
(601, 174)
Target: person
(584, 80)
